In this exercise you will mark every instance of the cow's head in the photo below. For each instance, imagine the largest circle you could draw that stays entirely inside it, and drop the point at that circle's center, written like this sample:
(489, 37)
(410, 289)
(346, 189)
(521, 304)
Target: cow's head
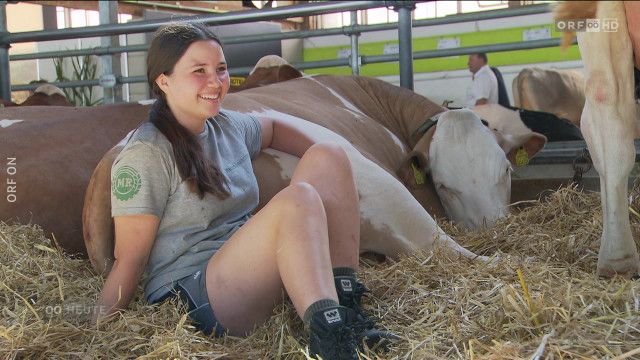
(269, 69)
(470, 167)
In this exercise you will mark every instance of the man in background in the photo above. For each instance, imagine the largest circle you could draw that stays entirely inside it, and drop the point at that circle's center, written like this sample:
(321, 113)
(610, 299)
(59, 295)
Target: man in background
(484, 86)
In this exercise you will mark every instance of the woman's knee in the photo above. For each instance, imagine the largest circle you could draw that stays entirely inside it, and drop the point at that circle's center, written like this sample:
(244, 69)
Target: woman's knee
(328, 156)
(301, 198)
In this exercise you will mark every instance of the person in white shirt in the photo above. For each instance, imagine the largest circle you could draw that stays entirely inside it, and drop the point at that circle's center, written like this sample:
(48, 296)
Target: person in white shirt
(484, 88)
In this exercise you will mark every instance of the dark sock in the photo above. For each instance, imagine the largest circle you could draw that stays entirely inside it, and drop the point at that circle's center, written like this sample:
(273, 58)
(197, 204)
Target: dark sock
(345, 280)
(317, 306)
(344, 271)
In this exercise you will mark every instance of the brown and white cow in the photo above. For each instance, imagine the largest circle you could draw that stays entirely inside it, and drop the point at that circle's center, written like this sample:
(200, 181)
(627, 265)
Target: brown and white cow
(43, 95)
(53, 153)
(559, 92)
(473, 214)
(375, 123)
(513, 130)
(609, 121)
(269, 69)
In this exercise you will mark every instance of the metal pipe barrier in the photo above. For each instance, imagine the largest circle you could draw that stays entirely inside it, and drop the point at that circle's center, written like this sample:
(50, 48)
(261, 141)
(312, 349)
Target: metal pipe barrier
(302, 34)
(5, 90)
(99, 50)
(373, 59)
(7, 38)
(234, 17)
(355, 56)
(405, 49)
(347, 30)
(430, 54)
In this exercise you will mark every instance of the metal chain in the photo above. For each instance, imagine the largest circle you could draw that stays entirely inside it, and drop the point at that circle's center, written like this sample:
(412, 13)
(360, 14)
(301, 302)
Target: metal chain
(581, 165)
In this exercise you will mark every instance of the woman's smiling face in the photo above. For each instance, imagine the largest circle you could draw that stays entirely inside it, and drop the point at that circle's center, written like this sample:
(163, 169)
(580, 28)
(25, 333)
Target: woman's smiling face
(198, 83)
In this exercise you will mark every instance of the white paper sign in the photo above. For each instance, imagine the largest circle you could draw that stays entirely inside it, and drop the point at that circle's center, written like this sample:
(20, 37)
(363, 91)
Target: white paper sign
(107, 81)
(391, 49)
(449, 43)
(344, 53)
(536, 34)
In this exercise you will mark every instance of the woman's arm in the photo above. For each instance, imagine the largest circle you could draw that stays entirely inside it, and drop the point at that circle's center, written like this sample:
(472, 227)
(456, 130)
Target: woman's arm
(284, 137)
(134, 236)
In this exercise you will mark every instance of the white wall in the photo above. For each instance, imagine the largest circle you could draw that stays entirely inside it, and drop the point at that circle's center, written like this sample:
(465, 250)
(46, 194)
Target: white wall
(136, 62)
(451, 85)
(23, 17)
(438, 86)
(437, 30)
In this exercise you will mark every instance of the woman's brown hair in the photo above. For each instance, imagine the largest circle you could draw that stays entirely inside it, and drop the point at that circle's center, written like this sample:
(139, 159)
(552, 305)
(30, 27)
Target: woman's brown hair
(167, 47)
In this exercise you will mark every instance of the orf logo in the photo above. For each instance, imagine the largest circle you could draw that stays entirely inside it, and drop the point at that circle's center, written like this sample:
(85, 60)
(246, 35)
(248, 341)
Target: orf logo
(126, 183)
(332, 316)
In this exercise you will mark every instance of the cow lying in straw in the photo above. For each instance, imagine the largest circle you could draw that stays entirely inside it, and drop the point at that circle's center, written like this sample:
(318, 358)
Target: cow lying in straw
(376, 124)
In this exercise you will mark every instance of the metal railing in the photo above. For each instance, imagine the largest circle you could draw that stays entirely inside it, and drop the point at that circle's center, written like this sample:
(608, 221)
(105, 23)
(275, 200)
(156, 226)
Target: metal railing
(236, 17)
(404, 26)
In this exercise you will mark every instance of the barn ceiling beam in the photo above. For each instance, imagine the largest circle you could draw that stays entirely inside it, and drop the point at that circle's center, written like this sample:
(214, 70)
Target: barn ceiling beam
(209, 19)
(136, 7)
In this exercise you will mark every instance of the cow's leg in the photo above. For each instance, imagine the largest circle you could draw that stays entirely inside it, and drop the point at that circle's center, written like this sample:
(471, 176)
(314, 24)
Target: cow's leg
(633, 23)
(608, 126)
(613, 154)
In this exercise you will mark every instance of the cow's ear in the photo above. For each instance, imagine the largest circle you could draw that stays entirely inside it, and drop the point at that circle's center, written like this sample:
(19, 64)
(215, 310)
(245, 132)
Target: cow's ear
(413, 170)
(288, 72)
(415, 167)
(525, 147)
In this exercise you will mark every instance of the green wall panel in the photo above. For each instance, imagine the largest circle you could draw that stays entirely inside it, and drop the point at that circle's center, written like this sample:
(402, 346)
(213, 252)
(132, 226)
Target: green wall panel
(448, 63)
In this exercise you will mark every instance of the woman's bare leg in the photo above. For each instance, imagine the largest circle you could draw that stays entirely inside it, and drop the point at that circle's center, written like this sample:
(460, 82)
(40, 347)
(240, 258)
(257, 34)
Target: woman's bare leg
(328, 170)
(285, 244)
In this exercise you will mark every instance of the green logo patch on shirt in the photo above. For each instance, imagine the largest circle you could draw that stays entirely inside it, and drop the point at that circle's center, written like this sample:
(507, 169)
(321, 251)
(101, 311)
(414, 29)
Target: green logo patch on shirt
(126, 183)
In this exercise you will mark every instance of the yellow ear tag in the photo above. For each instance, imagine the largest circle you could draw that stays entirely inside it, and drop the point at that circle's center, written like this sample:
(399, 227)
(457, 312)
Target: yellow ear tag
(417, 174)
(522, 158)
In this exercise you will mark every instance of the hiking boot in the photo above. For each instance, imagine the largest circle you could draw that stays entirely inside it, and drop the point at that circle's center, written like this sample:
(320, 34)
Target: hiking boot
(332, 335)
(350, 294)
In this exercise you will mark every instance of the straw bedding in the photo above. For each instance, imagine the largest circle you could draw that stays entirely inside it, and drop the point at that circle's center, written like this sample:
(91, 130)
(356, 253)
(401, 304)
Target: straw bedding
(540, 300)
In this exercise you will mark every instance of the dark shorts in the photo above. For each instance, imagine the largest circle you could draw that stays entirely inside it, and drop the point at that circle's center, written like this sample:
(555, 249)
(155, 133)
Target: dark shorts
(193, 291)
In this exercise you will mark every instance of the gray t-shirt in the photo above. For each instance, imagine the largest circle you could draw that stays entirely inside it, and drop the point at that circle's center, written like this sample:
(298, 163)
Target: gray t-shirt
(145, 180)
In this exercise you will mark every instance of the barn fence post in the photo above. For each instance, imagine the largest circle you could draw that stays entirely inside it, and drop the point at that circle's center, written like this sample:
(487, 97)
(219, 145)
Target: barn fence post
(112, 92)
(5, 80)
(355, 55)
(404, 9)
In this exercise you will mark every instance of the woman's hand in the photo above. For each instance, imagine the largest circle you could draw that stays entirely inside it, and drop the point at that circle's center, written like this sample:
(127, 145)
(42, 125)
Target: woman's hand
(134, 238)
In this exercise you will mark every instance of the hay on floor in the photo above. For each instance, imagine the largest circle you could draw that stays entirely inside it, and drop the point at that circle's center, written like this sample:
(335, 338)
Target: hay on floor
(541, 300)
